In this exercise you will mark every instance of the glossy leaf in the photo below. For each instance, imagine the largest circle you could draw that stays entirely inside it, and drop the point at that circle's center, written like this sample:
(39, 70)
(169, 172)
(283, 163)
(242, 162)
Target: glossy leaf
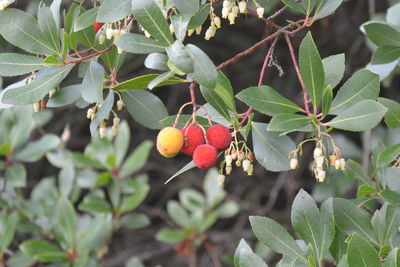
(102, 113)
(86, 19)
(142, 82)
(199, 17)
(382, 34)
(354, 170)
(67, 221)
(361, 253)
(392, 117)
(49, 27)
(180, 24)
(326, 7)
(388, 155)
(385, 54)
(36, 150)
(334, 67)
(65, 96)
(139, 44)
(287, 122)
(92, 84)
(392, 260)
(113, 10)
(17, 64)
(180, 57)
(131, 202)
(215, 101)
(7, 231)
(156, 61)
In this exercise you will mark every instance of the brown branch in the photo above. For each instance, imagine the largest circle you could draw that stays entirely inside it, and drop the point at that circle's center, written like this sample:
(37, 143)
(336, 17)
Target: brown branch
(88, 57)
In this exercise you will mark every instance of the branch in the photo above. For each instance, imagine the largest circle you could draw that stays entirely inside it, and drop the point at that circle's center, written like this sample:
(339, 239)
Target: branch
(88, 57)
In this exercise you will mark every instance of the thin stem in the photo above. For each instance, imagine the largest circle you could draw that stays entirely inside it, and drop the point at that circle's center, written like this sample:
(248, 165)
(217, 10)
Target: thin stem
(296, 66)
(193, 98)
(89, 56)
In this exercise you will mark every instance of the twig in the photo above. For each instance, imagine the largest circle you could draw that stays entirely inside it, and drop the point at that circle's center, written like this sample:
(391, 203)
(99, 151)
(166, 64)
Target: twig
(88, 57)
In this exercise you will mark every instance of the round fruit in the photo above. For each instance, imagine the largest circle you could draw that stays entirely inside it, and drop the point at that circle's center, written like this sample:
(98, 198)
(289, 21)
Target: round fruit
(97, 26)
(169, 141)
(205, 156)
(193, 137)
(219, 137)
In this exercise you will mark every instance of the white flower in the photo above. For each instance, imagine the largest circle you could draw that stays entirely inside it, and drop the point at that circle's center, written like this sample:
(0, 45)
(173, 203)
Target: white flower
(116, 121)
(198, 30)
(217, 22)
(319, 161)
(221, 179)
(231, 18)
(228, 169)
(109, 33)
(114, 130)
(52, 92)
(342, 164)
(321, 176)
(116, 33)
(317, 152)
(102, 39)
(250, 170)
(210, 33)
(120, 50)
(246, 165)
(165, 13)
(228, 160)
(147, 34)
(171, 28)
(294, 163)
(260, 12)
(90, 113)
(337, 164)
(227, 4)
(225, 12)
(103, 132)
(242, 6)
(190, 32)
(120, 104)
(36, 107)
(235, 10)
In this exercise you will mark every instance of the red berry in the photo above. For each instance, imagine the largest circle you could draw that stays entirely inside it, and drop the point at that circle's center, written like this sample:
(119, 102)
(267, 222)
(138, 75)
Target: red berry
(97, 26)
(205, 156)
(219, 137)
(194, 137)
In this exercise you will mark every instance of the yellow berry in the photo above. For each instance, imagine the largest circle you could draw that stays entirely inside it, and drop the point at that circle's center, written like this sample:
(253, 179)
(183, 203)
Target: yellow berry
(169, 141)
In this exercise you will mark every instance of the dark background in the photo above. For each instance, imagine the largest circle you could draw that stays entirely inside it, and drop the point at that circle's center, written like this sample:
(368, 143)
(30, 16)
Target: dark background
(264, 193)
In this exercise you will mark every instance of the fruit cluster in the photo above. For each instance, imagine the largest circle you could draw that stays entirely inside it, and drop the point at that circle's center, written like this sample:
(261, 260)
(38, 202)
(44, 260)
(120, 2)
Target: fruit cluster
(194, 141)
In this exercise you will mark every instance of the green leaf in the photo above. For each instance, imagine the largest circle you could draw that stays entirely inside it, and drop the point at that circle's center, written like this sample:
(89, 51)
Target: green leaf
(113, 10)
(213, 192)
(133, 201)
(326, 7)
(245, 257)
(204, 69)
(36, 150)
(354, 170)
(142, 82)
(160, 79)
(102, 113)
(192, 200)
(67, 221)
(215, 101)
(139, 44)
(16, 175)
(382, 34)
(86, 19)
(65, 96)
(391, 197)
(274, 236)
(392, 116)
(180, 58)
(92, 84)
(327, 100)
(145, 108)
(156, 61)
(385, 54)
(334, 67)
(225, 90)
(392, 259)
(43, 251)
(149, 15)
(178, 214)
(326, 228)
(49, 28)
(184, 169)
(271, 150)
(338, 247)
(267, 101)
(287, 122)
(349, 218)
(180, 24)
(312, 70)
(16, 64)
(8, 225)
(137, 159)
(298, 7)
(361, 116)
(172, 236)
(36, 90)
(97, 232)
(121, 142)
(134, 262)
(94, 204)
(361, 253)
(135, 220)
(187, 7)
(22, 30)
(199, 17)
(363, 85)
(392, 15)
(387, 156)
(364, 190)
(385, 222)
(227, 210)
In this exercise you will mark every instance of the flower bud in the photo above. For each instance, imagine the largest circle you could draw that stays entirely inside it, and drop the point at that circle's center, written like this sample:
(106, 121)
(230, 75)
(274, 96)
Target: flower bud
(250, 156)
(337, 164)
(116, 34)
(228, 160)
(228, 170)
(231, 18)
(36, 107)
(342, 164)
(242, 6)
(294, 163)
(103, 132)
(238, 163)
(317, 152)
(198, 30)
(332, 159)
(109, 33)
(221, 179)
(321, 176)
(102, 39)
(147, 34)
(250, 170)
(235, 10)
(246, 165)
(234, 154)
(116, 121)
(217, 22)
(171, 28)
(240, 155)
(52, 92)
(190, 32)
(210, 33)
(227, 4)
(120, 104)
(114, 130)
(90, 113)
(225, 12)
(260, 12)
(319, 161)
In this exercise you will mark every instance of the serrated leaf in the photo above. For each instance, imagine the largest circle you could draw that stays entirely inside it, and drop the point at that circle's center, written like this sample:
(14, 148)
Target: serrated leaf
(361, 86)
(267, 101)
(22, 30)
(149, 15)
(113, 10)
(142, 82)
(271, 150)
(362, 116)
(16, 64)
(274, 236)
(139, 44)
(215, 101)
(327, 100)
(312, 70)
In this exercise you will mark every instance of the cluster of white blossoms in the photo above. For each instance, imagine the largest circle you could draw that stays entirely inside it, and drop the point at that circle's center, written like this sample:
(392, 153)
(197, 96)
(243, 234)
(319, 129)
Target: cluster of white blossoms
(109, 31)
(318, 166)
(4, 4)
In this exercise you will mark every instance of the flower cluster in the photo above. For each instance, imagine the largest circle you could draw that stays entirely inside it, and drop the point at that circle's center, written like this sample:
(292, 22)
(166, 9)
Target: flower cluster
(4, 4)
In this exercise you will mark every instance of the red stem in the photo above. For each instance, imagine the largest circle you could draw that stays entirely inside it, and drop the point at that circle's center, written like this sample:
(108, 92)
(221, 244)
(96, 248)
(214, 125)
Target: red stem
(88, 57)
(80, 53)
(296, 67)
